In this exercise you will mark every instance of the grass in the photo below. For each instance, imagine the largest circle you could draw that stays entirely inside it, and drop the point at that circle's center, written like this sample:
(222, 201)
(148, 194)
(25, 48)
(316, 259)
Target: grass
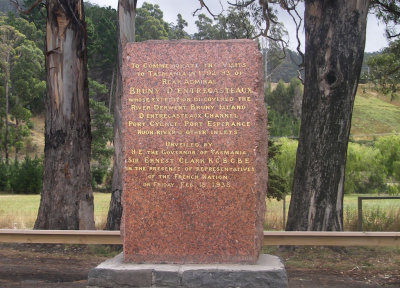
(378, 215)
(19, 211)
(373, 115)
(101, 205)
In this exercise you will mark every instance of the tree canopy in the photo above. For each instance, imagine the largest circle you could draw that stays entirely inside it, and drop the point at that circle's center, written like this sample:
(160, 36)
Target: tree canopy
(384, 70)
(150, 23)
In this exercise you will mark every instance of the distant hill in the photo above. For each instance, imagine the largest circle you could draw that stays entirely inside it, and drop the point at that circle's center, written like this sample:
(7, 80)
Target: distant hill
(6, 6)
(287, 69)
(289, 66)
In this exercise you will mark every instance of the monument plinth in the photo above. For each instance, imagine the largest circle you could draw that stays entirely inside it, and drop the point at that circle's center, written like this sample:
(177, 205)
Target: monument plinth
(195, 150)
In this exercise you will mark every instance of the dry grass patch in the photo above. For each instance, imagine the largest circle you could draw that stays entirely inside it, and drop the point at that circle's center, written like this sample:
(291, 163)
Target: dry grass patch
(20, 211)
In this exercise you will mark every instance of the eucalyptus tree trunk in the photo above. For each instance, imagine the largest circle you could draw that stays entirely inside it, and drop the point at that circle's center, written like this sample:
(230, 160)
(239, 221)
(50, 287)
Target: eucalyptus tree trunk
(126, 33)
(67, 199)
(7, 76)
(335, 39)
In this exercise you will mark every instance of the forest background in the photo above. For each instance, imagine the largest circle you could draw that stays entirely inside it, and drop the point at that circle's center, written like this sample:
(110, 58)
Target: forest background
(373, 161)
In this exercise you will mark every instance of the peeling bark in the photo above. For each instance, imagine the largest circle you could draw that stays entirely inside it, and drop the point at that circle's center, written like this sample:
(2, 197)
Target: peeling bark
(67, 199)
(335, 41)
(126, 33)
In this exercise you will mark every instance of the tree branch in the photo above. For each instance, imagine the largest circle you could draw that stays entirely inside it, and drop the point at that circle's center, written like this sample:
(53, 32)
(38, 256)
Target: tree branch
(242, 5)
(298, 26)
(388, 8)
(27, 11)
(202, 4)
(391, 36)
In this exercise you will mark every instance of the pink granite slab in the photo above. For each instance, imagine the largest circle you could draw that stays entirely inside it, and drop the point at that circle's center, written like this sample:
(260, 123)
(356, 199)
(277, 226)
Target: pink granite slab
(195, 150)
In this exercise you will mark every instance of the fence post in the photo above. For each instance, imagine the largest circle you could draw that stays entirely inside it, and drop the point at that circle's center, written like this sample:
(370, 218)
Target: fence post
(284, 213)
(359, 208)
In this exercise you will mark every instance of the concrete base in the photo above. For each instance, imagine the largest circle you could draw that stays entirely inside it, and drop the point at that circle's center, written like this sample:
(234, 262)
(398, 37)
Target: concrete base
(268, 272)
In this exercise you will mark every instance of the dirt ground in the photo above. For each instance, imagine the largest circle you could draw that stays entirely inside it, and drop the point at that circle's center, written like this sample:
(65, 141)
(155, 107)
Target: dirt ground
(31, 265)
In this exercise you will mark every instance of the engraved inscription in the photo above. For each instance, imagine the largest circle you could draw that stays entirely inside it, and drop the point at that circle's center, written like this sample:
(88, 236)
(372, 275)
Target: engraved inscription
(191, 100)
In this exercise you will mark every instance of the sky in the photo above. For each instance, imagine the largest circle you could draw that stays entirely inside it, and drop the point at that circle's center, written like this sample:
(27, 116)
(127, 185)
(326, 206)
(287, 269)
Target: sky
(375, 31)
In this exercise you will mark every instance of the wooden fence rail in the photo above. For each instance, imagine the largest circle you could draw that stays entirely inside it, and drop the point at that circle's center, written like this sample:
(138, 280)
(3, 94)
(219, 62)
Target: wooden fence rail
(270, 238)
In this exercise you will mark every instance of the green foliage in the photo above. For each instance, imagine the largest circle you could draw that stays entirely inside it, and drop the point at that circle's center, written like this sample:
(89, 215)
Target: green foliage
(3, 176)
(284, 98)
(24, 177)
(393, 190)
(369, 169)
(295, 91)
(27, 64)
(277, 185)
(177, 31)
(206, 29)
(23, 61)
(389, 148)
(101, 26)
(385, 70)
(17, 136)
(37, 16)
(27, 77)
(365, 172)
(102, 134)
(364, 68)
(150, 24)
(102, 131)
(284, 103)
(96, 90)
(282, 164)
(282, 125)
(28, 29)
(98, 174)
(235, 24)
(279, 99)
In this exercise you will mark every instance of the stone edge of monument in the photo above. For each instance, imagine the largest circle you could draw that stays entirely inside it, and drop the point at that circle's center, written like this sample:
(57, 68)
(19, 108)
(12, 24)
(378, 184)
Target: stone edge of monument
(268, 272)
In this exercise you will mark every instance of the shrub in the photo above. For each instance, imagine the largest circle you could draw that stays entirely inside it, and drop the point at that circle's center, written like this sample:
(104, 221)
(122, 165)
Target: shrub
(13, 171)
(393, 190)
(26, 177)
(365, 172)
(284, 105)
(282, 125)
(277, 186)
(389, 147)
(283, 163)
(3, 176)
(98, 174)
